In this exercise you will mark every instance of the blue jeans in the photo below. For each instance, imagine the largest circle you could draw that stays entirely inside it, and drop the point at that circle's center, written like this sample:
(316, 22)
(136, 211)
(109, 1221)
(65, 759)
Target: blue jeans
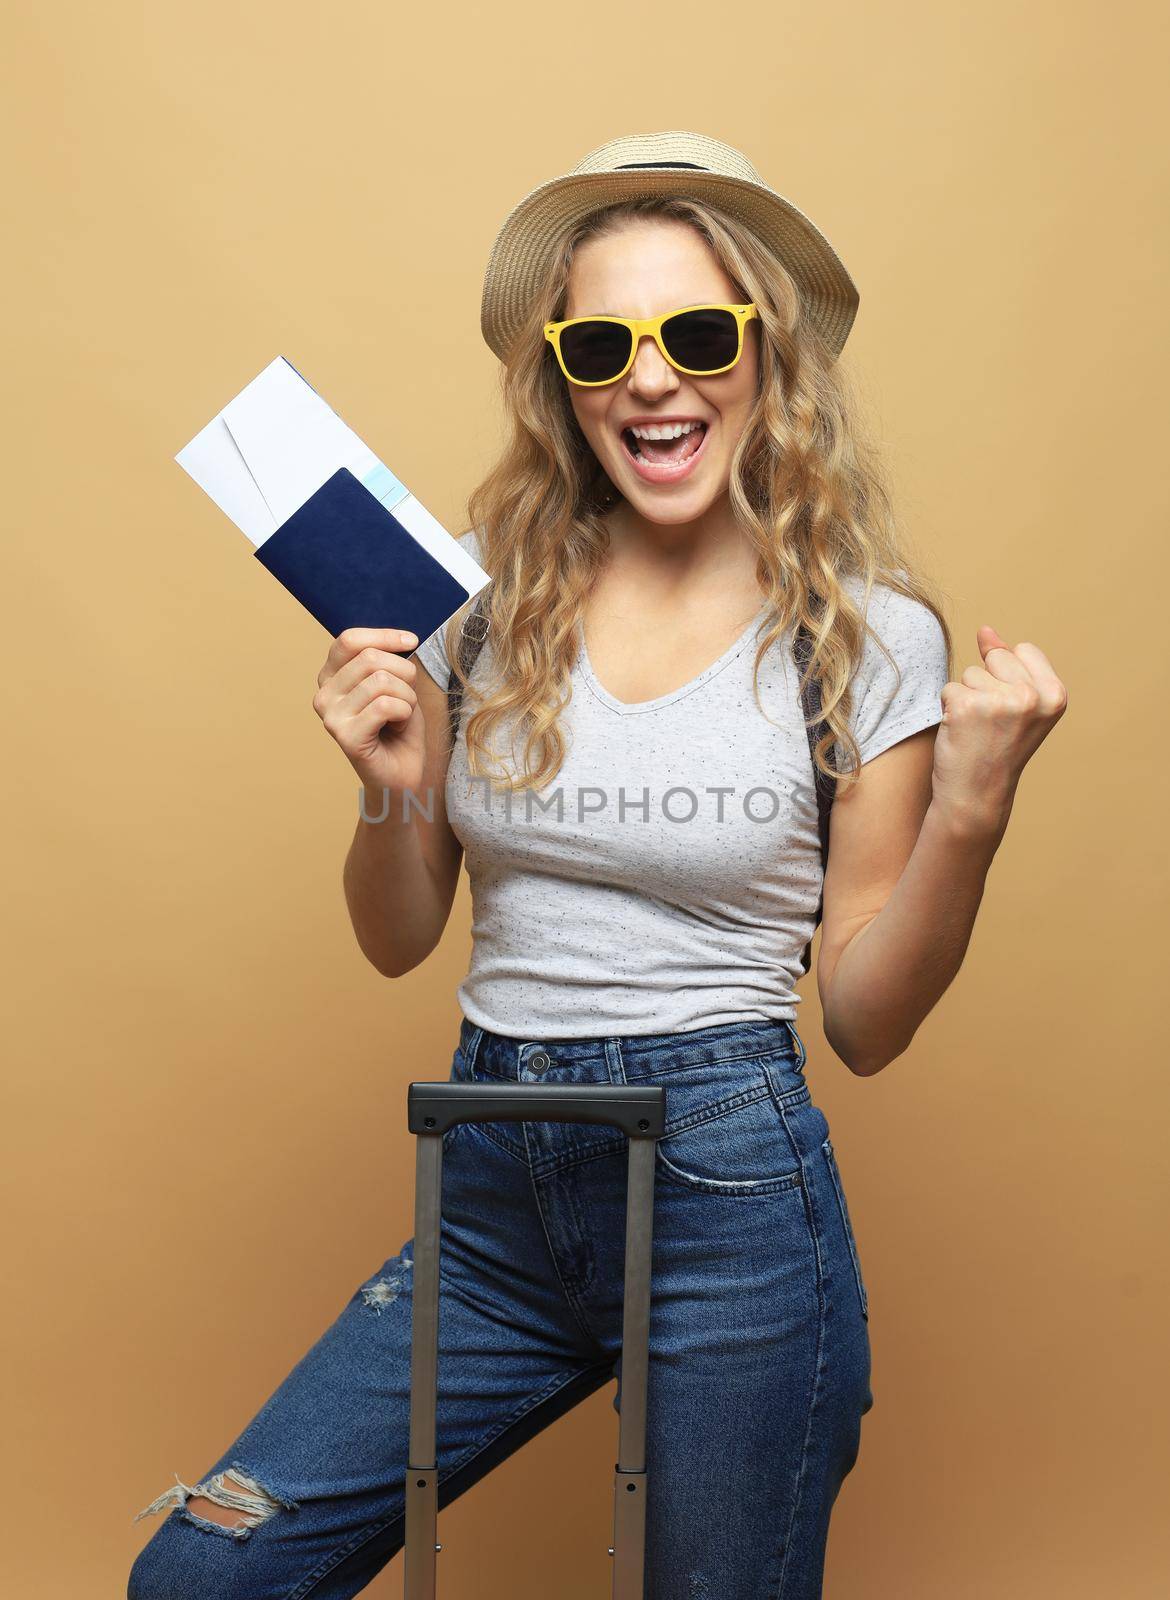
(759, 1347)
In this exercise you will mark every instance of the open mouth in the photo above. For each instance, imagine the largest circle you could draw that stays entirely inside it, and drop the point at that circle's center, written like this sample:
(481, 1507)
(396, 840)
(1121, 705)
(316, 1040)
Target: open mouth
(663, 459)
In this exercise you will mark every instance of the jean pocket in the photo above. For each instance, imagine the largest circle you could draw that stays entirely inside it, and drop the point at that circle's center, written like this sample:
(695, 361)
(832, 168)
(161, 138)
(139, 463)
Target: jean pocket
(842, 1206)
(738, 1146)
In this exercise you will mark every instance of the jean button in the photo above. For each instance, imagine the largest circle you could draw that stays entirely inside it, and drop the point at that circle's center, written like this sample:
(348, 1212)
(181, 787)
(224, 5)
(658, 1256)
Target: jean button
(539, 1061)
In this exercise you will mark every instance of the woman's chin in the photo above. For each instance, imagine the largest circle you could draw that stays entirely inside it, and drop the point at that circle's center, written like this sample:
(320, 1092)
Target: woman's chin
(685, 503)
(676, 514)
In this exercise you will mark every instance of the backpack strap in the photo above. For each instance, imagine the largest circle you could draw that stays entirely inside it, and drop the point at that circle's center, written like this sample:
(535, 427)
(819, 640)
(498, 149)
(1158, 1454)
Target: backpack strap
(471, 641)
(826, 787)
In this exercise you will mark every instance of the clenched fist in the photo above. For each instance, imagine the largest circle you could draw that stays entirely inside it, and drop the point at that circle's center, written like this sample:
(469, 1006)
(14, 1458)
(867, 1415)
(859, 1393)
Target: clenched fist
(994, 720)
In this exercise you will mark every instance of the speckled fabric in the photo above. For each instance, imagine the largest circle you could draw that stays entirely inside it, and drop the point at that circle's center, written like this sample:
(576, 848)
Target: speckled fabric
(668, 878)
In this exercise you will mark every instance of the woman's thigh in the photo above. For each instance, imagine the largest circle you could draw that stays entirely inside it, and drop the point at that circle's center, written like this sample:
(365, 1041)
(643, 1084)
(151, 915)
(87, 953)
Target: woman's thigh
(759, 1349)
(326, 1455)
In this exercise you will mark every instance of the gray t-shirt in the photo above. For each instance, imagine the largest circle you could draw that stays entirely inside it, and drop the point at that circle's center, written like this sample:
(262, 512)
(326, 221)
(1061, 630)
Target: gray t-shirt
(668, 877)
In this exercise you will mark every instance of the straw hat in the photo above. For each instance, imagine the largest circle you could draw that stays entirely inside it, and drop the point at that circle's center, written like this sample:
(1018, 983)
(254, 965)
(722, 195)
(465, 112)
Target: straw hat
(673, 163)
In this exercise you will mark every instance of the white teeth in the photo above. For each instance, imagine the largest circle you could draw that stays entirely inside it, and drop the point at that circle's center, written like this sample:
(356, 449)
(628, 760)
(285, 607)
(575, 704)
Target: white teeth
(664, 430)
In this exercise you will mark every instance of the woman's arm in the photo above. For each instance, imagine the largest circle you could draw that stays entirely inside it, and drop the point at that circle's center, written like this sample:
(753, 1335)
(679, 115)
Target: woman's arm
(910, 848)
(401, 872)
(390, 721)
(905, 880)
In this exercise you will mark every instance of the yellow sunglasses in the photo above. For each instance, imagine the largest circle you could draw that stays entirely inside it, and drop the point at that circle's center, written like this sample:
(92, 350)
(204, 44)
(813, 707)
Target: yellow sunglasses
(697, 340)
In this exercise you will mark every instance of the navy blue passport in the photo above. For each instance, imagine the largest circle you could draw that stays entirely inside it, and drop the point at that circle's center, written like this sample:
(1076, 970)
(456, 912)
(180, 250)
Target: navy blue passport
(352, 564)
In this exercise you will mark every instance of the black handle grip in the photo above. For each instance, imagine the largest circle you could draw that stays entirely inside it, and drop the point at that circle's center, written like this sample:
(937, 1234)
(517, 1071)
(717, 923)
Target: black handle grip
(639, 1112)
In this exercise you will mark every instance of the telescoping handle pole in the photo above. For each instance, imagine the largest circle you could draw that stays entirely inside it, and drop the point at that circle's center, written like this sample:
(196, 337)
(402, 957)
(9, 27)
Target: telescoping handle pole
(433, 1108)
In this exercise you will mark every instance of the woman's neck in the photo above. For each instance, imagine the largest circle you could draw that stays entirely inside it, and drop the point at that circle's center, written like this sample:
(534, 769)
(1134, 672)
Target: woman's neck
(712, 550)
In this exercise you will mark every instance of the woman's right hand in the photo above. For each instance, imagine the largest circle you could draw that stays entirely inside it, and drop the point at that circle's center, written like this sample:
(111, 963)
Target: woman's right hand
(366, 699)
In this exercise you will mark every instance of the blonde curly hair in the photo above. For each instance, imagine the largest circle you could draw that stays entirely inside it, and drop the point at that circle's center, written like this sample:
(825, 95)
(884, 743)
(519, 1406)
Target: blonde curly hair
(805, 486)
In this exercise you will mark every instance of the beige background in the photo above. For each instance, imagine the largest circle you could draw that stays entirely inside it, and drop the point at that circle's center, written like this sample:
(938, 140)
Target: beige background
(206, 1145)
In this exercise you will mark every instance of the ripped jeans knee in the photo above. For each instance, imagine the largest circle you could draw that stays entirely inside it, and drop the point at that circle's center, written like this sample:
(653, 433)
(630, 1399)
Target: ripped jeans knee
(232, 1488)
(383, 1291)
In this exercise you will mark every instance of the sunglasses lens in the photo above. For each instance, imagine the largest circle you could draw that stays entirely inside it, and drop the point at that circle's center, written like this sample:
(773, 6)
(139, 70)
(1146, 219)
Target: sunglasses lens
(595, 352)
(702, 340)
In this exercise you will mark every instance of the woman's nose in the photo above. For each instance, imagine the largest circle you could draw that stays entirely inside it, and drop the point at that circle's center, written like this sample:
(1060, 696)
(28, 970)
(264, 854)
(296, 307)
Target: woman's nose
(651, 374)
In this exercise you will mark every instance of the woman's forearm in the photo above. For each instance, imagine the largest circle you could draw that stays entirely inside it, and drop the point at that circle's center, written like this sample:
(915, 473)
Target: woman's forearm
(398, 904)
(890, 975)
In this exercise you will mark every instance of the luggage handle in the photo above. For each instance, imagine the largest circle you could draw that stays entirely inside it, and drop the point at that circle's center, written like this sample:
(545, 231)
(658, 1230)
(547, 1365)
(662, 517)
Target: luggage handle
(432, 1108)
(639, 1111)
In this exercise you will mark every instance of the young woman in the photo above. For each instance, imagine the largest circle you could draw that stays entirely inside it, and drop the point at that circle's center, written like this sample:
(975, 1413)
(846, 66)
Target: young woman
(632, 785)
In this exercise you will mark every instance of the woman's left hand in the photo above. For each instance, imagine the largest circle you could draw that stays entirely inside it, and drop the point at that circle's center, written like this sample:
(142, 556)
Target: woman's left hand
(994, 721)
